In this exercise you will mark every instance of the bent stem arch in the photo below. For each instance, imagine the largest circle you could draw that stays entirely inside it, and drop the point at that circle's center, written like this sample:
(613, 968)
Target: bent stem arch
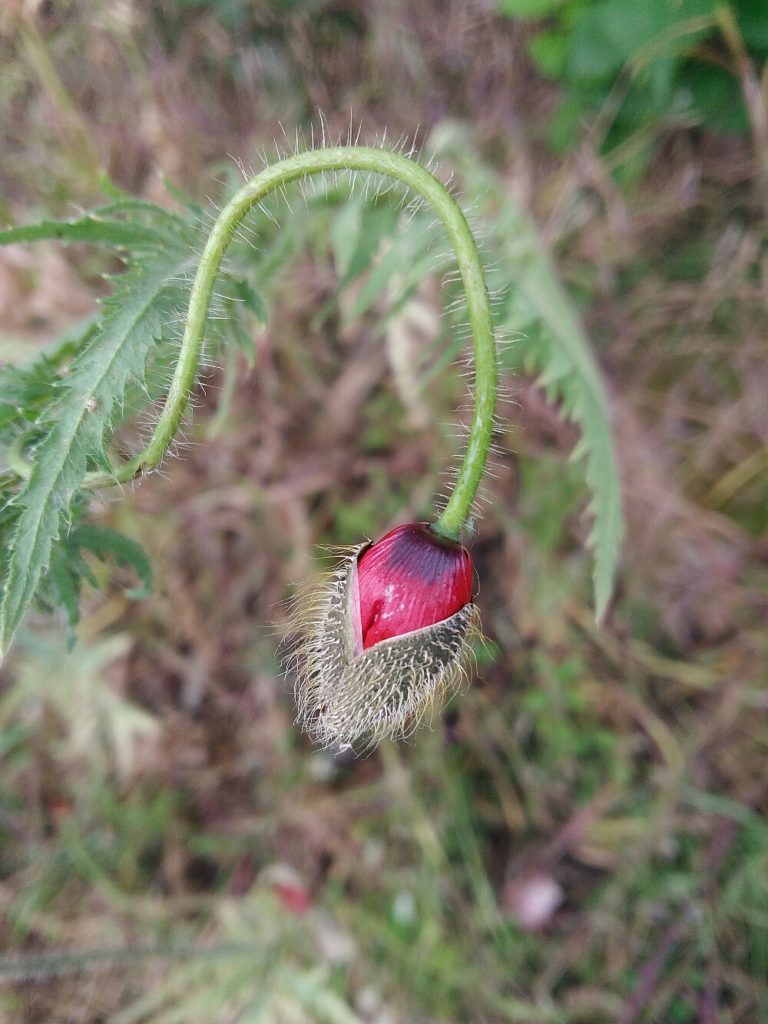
(274, 177)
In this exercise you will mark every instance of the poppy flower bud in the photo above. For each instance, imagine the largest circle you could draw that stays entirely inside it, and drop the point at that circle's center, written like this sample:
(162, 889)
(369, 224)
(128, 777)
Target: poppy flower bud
(385, 638)
(410, 579)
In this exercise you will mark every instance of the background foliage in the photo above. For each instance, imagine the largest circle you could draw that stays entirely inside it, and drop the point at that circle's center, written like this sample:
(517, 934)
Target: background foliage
(581, 837)
(63, 427)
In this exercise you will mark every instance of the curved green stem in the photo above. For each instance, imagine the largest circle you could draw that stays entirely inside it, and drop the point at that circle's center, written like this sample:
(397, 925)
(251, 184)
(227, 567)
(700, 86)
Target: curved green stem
(341, 158)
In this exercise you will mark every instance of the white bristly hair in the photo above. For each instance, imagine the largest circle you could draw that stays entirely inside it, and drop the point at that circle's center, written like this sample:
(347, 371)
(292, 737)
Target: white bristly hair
(347, 699)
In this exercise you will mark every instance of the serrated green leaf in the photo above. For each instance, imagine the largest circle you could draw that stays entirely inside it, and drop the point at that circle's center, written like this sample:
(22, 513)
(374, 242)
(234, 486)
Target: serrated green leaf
(116, 234)
(357, 232)
(244, 339)
(107, 543)
(27, 389)
(65, 586)
(8, 414)
(345, 232)
(135, 317)
(558, 349)
(569, 374)
(407, 253)
(110, 188)
(251, 298)
(182, 198)
(162, 219)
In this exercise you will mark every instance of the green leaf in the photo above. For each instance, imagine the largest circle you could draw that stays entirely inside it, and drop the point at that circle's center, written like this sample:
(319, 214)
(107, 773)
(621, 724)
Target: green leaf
(609, 34)
(407, 255)
(565, 124)
(26, 390)
(529, 8)
(136, 316)
(8, 413)
(549, 52)
(165, 221)
(183, 199)
(243, 314)
(357, 236)
(554, 345)
(253, 300)
(345, 232)
(64, 584)
(714, 96)
(117, 234)
(107, 543)
(753, 25)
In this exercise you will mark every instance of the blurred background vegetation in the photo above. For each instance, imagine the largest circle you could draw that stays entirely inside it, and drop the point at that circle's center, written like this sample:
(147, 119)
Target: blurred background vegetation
(582, 836)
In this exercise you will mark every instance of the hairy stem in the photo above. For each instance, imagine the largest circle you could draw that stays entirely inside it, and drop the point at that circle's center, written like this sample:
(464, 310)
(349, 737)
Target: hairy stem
(275, 177)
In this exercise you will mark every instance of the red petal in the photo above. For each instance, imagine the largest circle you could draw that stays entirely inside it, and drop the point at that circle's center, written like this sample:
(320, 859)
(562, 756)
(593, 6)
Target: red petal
(410, 579)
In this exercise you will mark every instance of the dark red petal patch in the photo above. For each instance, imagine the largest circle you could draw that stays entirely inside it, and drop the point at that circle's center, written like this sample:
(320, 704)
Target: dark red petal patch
(410, 579)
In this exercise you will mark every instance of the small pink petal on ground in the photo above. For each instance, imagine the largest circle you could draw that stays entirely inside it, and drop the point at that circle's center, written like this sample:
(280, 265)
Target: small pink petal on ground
(532, 901)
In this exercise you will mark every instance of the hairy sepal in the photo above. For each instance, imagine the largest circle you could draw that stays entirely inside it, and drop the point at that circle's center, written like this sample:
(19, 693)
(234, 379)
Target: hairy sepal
(352, 698)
